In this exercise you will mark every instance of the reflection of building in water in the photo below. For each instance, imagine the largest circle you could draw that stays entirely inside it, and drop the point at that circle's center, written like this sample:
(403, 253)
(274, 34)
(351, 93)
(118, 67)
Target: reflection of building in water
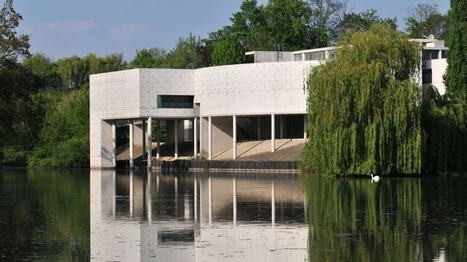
(150, 217)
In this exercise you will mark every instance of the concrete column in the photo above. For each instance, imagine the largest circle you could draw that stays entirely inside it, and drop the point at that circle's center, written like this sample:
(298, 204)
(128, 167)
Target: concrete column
(176, 138)
(201, 136)
(131, 193)
(144, 140)
(158, 137)
(201, 201)
(176, 194)
(209, 138)
(281, 129)
(195, 137)
(234, 137)
(114, 195)
(149, 196)
(157, 184)
(259, 127)
(234, 200)
(210, 199)
(149, 138)
(273, 133)
(114, 145)
(132, 144)
(195, 198)
(273, 204)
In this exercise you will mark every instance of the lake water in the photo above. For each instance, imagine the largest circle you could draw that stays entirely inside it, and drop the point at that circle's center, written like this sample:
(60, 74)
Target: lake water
(142, 216)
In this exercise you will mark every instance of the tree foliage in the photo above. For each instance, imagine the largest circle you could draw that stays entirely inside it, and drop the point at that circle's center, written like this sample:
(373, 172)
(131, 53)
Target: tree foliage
(326, 14)
(360, 22)
(149, 58)
(228, 51)
(446, 134)
(64, 134)
(17, 85)
(64, 137)
(12, 44)
(456, 74)
(44, 69)
(186, 53)
(425, 19)
(283, 23)
(445, 117)
(17, 122)
(363, 108)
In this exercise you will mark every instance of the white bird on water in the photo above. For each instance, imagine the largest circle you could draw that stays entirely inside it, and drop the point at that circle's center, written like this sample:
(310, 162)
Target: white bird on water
(374, 178)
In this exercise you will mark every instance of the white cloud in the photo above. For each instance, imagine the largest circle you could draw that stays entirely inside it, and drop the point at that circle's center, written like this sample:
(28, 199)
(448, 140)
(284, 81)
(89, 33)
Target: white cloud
(128, 31)
(74, 26)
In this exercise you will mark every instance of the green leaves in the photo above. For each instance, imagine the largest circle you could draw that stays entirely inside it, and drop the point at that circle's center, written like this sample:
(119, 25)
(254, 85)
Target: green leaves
(12, 44)
(425, 19)
(228, 51)
(64, 138)
(363, 109)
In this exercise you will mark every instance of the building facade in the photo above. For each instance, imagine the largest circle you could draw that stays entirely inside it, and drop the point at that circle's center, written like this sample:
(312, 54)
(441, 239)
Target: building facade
(213, 108)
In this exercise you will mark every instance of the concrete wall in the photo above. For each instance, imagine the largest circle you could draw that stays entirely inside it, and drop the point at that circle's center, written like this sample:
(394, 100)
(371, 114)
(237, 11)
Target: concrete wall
(113, 95)
(222, 133)
(132, 94)
(156, 82)
(438, 67)
(253, 89)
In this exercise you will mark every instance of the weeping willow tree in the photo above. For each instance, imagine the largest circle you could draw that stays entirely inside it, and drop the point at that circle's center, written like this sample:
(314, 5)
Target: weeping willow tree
(364, 107)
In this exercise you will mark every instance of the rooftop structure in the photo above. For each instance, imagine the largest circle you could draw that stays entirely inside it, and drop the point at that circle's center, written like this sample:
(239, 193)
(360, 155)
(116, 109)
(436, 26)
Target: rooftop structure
(214, 108)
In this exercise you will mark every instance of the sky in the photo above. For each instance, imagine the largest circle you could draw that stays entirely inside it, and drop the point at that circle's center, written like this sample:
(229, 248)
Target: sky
(63, 28)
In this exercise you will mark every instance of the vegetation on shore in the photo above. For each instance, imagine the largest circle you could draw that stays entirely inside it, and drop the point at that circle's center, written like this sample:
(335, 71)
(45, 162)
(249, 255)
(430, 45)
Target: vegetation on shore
(44, 103)
(366, 114)
(363, 107)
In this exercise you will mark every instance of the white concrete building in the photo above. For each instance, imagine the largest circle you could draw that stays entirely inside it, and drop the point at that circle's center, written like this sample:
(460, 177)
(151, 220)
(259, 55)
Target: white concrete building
(434, 63)
(219, 106)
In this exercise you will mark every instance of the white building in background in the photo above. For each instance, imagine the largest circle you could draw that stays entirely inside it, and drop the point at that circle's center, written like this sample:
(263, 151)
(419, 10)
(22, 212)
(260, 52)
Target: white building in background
(434, 63)
(221, 105)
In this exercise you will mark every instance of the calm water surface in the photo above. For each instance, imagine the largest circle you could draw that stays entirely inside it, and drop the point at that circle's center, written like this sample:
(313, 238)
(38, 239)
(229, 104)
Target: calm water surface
(144, 216)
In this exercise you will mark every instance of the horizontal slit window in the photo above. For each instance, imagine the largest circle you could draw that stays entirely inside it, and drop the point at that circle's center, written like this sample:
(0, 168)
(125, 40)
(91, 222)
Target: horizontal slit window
(168, 101)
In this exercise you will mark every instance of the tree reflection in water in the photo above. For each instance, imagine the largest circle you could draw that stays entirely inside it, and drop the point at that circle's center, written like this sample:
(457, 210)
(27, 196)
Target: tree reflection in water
(393, 220)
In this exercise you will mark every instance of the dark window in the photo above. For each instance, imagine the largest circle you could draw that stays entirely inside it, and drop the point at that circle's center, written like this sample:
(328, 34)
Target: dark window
(167, 101)
(430, 54)
(427, 77)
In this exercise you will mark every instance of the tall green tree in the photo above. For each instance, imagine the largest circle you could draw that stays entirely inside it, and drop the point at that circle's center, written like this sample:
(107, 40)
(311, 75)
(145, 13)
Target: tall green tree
(363, 108)
(12, 44)
(360, 22)
(187, 53)
(287, 24)
(425, 19)
(326, 14)
(248, 26)
(278, 25)
(228, 51)
(45, 69)
(64, 133)
(17, 84)
(445, 118)
(149, 58)
(64, 137)
(456, 74)
(17, 122)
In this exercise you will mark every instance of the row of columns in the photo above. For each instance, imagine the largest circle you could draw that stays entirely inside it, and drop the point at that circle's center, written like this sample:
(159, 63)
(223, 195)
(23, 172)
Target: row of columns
(147, 138)
(234, 134)
(197, 193)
